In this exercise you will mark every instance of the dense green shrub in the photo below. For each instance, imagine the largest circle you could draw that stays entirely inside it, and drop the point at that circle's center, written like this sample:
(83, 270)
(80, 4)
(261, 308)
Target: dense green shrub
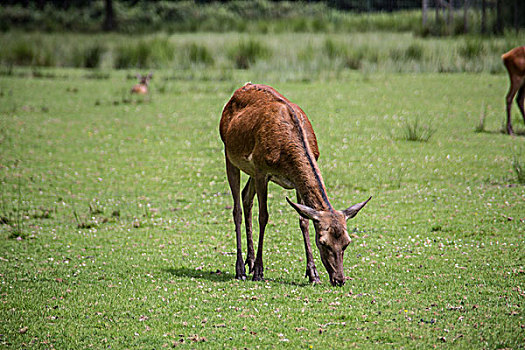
(190, 16)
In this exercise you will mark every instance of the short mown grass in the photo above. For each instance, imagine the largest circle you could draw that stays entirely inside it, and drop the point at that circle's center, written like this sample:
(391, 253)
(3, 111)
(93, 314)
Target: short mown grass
(116, 227)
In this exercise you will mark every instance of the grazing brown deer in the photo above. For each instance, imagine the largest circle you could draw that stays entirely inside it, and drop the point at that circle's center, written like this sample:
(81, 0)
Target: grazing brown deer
(514, 61)
(271, 139)
(142, 87)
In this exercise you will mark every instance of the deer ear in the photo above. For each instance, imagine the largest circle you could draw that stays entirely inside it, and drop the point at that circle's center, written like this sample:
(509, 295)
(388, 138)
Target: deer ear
(150, 75)
(305, 211)
(354, 209)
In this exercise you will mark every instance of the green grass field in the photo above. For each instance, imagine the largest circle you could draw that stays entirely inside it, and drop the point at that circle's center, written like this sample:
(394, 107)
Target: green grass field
(117, 229)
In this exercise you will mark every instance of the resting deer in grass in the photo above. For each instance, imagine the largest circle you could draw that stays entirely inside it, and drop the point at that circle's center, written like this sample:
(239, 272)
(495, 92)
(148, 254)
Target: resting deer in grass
(514, 61)
(142, 87)
(271, 139)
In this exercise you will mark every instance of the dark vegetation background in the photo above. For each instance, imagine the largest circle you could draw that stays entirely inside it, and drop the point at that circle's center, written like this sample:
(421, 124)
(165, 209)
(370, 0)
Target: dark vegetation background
(434, 17)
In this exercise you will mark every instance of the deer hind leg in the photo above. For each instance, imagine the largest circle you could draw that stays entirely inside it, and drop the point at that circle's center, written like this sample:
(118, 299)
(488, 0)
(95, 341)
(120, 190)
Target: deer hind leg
(261, 188)
(247, 203)
(515, 84)
(311, 271)
(234, 179)
(520, 100)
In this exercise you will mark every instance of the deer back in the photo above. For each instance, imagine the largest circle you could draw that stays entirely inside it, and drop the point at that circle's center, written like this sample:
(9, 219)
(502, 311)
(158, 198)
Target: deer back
(140, 89)
(514, 60)
(261, 127)
(264, 133)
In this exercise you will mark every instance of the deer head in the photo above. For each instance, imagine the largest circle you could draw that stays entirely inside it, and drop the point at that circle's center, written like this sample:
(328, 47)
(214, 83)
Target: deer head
(144, 79)
(331, 236)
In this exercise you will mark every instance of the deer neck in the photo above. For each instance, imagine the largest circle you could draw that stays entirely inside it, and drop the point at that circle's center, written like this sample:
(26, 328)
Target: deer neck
(310, 186)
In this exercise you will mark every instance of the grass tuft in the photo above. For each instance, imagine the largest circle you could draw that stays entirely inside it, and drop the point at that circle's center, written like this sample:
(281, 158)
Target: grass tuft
(83, 222)
(415, 131)
(518, 166)
(481, 125)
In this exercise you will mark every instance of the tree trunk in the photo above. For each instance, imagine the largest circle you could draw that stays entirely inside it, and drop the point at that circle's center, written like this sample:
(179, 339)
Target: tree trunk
(483, 16)
(40, 4)
(436, 3)
(109, 20)
(516, 22)
(499, 17)
(451, 16)
(465, 16)
(424, 8)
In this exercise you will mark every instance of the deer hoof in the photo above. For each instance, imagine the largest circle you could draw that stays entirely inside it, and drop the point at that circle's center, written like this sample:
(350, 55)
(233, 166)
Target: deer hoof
(258, 272)
(240, 277)
(312, 275)
(240, 272)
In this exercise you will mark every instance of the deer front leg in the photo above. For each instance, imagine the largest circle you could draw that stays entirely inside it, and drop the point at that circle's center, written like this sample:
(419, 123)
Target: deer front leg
(261, 188)
(247, 203)
(234, 179)
(311, 270)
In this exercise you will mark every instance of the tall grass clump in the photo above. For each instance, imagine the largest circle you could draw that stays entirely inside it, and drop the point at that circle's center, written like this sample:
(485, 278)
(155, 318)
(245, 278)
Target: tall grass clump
(353, 59)
(93, 55)
(198, 54)
(247, 52)
(162, 51)
(132, 56)
(24, 53)
(471, 48)
(88, 57)
(154, 52)
(414, 52)
(334, 49)
(351, 56)
(415, 131)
